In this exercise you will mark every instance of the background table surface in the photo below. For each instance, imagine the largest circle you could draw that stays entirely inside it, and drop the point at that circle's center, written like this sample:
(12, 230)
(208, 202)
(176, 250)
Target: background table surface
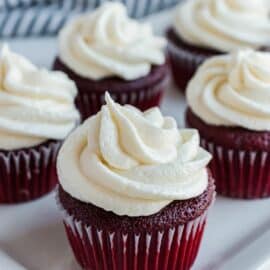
(237, 236)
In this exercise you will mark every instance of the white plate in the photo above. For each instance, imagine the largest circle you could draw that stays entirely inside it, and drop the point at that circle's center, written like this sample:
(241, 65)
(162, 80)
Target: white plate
(237, 236)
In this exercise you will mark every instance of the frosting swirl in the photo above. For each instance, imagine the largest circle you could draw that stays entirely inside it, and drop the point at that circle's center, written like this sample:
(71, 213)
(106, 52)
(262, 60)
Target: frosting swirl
(233, 90)
(108, 43)
(132, 163)
(224, 25)
(35, 104)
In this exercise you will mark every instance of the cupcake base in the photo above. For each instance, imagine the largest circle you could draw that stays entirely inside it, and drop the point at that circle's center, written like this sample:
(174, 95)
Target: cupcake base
(167, 240)
(185, 59)
(28, 174)
(175, 248)
(241, 158)
(142, 93)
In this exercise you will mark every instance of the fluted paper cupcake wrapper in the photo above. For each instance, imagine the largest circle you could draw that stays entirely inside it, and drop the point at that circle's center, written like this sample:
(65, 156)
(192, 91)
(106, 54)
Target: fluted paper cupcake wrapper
(90, 102)
(28, 174)
(172, 249)
(239, 173)
(183, 65)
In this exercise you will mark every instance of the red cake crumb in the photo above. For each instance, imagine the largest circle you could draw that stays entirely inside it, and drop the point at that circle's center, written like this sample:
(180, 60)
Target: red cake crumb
(230, 137)
(178, 212)
(143, 93)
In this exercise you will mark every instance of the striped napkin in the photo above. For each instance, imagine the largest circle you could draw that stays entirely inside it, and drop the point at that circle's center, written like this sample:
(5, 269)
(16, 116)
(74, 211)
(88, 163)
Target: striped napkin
(45, 17)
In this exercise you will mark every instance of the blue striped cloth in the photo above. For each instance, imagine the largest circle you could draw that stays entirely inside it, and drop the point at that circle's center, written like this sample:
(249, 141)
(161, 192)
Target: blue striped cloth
(45, 17)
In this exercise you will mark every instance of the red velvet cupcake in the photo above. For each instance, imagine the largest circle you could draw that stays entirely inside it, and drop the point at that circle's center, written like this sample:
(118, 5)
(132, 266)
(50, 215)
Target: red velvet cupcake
(228, 104)
(107, 51)
(208, 28)
(141, 204)
(37, 111)
(185, 58)
(142, 93)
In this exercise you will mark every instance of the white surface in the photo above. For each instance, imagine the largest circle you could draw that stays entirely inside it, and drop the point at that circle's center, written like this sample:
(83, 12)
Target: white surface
(237, 236)
(8, 263)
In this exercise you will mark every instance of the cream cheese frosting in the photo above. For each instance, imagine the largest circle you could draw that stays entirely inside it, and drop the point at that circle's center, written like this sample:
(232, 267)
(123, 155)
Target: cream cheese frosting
(224, 25)
(107, 43)
(233, 90)
(35, 104)
(132, 163)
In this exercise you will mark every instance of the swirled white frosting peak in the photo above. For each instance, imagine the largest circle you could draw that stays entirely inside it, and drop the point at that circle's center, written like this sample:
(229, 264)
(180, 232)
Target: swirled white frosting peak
(224, 25)
(35, 104)
(233, 90)
(108, 43)
(132, 163)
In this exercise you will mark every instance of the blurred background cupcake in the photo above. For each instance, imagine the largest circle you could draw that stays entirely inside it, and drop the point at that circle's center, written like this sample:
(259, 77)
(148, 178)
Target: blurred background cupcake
(107, 51)
(134, 190)
(37, 112)
(204, 28)
(229, 104)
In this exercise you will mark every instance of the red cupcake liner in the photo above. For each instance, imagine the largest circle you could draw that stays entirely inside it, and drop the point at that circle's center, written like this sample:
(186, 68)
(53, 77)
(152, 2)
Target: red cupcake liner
(28, 174)
(173, 249)
(185, 58)
(184, 65)
(90, 102)
(239, 173)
